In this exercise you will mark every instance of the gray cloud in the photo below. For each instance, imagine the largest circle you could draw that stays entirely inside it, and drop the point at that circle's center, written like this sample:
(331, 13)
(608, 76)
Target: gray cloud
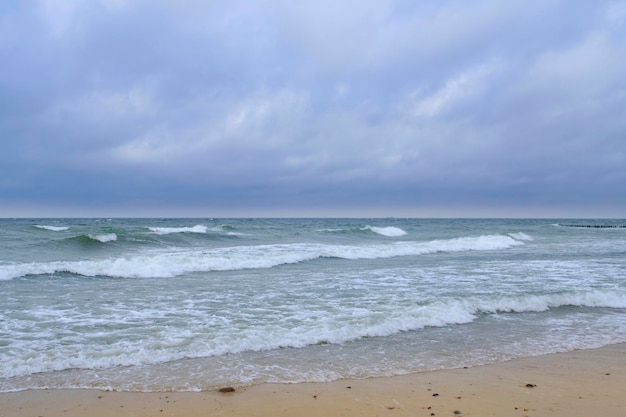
(392, 107)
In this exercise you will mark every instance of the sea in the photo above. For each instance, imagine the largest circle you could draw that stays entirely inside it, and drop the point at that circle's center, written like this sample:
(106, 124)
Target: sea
(161, 305)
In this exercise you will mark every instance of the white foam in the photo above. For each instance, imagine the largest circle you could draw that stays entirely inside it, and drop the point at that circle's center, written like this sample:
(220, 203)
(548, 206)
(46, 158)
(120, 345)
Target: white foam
(168, 230)
(166, 264)
(108, 237)
(225, 229)
(538, 303)
(286, 328)
(53, 228)
(386, 231)
(328, 327)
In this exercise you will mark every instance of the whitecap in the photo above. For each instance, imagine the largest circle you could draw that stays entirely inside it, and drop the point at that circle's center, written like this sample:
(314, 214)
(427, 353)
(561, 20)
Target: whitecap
(108, 237)
(168, 230)
(53, 228)
(167, 264)
(390, 231)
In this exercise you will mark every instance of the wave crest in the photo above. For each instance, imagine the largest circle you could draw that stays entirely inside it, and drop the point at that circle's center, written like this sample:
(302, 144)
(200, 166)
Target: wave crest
(173, 263)
(169, 230)
(53, 228)
(104, 238)
(389, 231)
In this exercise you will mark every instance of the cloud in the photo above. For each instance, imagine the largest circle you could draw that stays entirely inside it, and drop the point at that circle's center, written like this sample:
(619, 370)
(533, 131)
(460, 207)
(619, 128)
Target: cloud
(375, 103)
(455, 90)
(107, 106)
(59, 16)
(334, 36)
(616, 12)
(589, 68)
(264, 112)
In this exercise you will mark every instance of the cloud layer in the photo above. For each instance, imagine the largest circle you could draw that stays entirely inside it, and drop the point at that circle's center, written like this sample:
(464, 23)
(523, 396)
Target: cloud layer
(118, 107)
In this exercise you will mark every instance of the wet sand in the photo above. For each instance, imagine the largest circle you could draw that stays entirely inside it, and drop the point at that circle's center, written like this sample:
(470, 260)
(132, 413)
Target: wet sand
(580, 383)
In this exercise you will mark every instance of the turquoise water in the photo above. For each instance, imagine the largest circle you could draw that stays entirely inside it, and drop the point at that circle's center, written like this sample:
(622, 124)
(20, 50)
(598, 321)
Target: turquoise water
(191, 304)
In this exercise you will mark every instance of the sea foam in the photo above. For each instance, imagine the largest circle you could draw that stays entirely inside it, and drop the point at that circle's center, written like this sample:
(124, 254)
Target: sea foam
(169, 230)
(295, 330)
(386, 231)
(104, 238)
(53, 228)
(171, 263)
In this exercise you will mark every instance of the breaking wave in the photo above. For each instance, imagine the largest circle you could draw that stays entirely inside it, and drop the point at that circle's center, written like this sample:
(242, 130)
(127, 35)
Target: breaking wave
(165, 264)
(104, 238)
(169, 230)
(53, 228)
(295, 331)
(386, 231)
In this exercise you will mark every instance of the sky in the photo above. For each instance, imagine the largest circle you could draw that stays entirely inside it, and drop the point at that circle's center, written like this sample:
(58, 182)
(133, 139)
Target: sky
(355, 108)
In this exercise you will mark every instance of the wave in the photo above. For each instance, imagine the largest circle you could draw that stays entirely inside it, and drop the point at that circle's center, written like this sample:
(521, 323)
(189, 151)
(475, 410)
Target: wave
(389, 231)
(169, 230)
(53, 228)
(89, 240)
(333, 328)
(104, 238)
(521, 236)
(386, 231)
(173, 263)
(592, 226)
(226, 229)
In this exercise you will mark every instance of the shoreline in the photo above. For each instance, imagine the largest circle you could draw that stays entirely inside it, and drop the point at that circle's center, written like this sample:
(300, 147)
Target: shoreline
(578, 383)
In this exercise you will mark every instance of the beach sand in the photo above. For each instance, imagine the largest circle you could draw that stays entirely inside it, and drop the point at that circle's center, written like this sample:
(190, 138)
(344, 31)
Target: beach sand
(580, 383)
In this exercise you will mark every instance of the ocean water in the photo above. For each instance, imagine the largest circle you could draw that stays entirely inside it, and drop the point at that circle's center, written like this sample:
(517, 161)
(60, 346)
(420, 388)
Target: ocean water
(196, 304)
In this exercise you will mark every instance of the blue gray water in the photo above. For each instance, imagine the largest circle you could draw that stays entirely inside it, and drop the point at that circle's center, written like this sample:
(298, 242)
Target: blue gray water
(193, 304)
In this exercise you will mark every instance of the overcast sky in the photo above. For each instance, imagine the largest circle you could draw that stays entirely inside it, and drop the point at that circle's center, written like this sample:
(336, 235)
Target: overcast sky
(313, 108)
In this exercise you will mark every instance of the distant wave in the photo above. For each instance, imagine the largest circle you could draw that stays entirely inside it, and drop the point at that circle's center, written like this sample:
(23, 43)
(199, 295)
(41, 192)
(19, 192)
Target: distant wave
(169, 230)
(521, 236)
(223, 227)
(593, 226)
(171, 264)
(104, 238)
(383, 231)
(53, 228)
(226, 230)
(386, 231)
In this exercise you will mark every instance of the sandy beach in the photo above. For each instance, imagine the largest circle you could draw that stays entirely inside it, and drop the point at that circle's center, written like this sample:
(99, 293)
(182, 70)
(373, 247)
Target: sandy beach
(579, 383)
